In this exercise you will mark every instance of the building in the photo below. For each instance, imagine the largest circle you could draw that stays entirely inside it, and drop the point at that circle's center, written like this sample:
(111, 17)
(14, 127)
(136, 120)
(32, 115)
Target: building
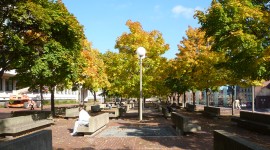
(8, 88)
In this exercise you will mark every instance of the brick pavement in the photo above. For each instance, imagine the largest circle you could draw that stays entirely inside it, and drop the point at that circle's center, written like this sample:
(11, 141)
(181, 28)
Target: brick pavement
(62, 140)
(137, 135)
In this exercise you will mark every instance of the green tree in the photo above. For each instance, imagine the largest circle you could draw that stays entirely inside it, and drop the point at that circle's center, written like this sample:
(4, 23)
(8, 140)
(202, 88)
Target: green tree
(240, 30)
(155, 46)
(53, 56)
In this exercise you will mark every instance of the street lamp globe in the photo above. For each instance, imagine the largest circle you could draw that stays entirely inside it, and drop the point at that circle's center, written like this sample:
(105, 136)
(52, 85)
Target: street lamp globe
(141, 52)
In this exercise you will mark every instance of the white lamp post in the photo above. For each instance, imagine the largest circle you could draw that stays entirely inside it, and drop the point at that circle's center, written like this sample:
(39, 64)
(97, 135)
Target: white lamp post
(80, 94)
(141, 53)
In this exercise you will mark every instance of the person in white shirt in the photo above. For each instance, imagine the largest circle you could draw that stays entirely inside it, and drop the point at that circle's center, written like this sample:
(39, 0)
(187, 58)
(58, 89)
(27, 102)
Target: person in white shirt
(83, 120)
(237, 104)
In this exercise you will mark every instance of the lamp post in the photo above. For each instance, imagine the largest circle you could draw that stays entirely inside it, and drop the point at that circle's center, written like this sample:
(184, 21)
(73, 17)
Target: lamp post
(141, 53)
(80, 94)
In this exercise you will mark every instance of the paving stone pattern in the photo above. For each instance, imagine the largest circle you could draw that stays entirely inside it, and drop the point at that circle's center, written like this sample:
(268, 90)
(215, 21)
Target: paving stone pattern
(122, 131)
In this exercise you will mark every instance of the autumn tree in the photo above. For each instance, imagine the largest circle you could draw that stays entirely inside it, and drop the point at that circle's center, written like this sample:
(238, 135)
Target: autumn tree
(155, 46)
(197, 62)
(240, 30)
(94, 76)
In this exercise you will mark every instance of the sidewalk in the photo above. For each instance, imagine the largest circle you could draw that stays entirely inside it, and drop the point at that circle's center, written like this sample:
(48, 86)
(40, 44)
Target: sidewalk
(154, 132)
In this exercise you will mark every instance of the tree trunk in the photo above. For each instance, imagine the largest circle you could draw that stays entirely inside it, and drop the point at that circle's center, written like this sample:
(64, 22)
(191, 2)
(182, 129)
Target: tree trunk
(82, 96)
(52, 101)
(193, 98)
(95, 96)
(184, 104)
(232, 87)
(178, 98)
(41, 96)
(207, 97)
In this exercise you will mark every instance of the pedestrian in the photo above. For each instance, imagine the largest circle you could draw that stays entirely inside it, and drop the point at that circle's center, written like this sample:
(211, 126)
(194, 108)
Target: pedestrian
(237, 104)
(31, 104)
(82, 120)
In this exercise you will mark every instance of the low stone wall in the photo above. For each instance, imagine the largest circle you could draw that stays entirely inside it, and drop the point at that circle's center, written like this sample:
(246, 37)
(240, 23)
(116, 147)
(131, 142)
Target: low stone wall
(113, 112)
(71, 112)
(191, 107)
(256, 121)
(61, 111)
(255, 116)
(95, 108)
(16, 125)
(184, 124)
(165, 112)
(41, 140)
(95, 123)
(218, 111)
(41, 113)
(228, 141)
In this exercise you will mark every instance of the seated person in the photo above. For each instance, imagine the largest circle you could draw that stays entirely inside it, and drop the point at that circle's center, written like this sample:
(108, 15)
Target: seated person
(108, 105)
(83, 120)
(31, 104)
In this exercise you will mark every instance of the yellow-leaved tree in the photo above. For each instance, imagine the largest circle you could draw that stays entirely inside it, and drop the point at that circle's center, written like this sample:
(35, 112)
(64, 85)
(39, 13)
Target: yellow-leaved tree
(94, 76)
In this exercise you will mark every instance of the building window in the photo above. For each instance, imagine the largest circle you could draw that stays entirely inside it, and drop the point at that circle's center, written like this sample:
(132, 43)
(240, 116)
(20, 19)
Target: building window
(9, 85)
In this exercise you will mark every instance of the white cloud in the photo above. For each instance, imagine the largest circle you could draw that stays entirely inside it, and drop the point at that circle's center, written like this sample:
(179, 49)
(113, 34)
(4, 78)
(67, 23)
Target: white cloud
(186, 12)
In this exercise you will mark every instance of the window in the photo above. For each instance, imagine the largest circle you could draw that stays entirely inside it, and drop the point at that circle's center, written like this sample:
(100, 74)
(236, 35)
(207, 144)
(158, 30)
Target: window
(9, 85)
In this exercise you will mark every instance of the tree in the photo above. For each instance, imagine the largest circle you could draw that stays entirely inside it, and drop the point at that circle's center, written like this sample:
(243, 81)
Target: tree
(240, 30)
(54, 53)
(155, 46)
(120, 74)
(94, 76)
(197, 62)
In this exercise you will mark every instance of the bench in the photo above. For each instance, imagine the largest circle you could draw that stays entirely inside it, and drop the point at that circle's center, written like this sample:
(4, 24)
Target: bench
(41, 140)
(216, 112)
(96, 123)
(67, 111)
(17, 125)
(113, 112)
(184, 124)
(95, 108)
(224, 140)
(165, 112)
(192, 108)
(259, 122)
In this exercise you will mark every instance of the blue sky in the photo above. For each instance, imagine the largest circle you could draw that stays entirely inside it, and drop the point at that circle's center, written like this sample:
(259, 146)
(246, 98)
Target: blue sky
(104, 20)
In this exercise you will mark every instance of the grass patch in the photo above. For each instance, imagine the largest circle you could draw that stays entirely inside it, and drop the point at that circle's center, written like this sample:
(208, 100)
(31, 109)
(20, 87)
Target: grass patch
(59, 102)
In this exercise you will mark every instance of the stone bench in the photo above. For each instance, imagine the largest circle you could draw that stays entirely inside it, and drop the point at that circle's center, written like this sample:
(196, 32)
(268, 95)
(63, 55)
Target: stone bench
(41, 140)
(113, 112)
(96, 123)
(95, 108)
(165, 112)
(224, 140)
(67, 111)
(259, 122)
(192, 108)
(17, 125)
(216, 112)
(44, 113)
(184, 124)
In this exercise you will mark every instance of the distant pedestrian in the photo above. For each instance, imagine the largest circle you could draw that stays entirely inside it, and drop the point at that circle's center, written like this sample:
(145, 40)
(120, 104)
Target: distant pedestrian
(237, 104)
(31, 104)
